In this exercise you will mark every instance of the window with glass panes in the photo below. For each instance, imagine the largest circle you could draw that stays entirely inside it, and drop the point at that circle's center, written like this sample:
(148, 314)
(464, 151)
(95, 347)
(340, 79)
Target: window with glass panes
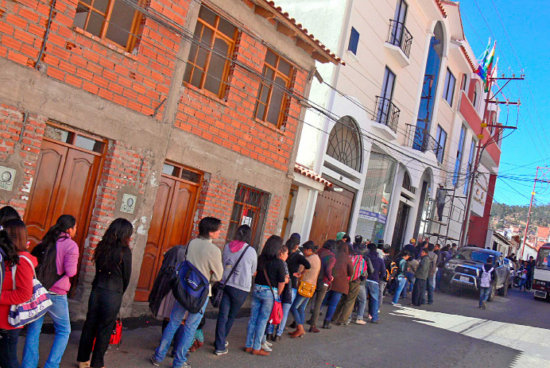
(449, 88)
(440, 140)
(211, 51)
(273, 98)
(114, 20)
(459, 152)
(250, 208)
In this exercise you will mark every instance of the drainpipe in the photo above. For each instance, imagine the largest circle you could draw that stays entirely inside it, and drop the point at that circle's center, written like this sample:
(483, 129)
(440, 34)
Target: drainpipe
(38, 64)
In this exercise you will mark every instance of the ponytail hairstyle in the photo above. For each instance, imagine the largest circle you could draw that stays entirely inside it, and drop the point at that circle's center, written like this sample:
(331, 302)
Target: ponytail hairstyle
(13, 238)
(63, 224)
(108, 253)
(243, 234)
(8, 213)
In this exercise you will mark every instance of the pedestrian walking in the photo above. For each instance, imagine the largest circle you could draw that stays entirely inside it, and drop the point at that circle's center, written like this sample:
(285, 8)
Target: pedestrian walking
(268, 284)
(57, 256)
(205, 257)
(361, 302)
(239, 262)
(401, 278)
(306, 287)
(341, 273)
(19, 267)
(113, 265)
(373, 278)
(421, 275)
(328, 259)
(430, 282)
(485, 282)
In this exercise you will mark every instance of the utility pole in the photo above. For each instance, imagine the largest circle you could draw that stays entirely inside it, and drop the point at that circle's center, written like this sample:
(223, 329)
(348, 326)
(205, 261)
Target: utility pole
(544, 179)
(472, 175)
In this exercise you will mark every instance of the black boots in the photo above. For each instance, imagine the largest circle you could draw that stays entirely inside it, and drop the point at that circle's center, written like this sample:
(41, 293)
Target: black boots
(326, 324)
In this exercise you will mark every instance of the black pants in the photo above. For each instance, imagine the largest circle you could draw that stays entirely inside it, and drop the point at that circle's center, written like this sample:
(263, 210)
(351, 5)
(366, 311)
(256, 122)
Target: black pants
(103, 308)
(230, 305)
(418, 292)
(8, 348)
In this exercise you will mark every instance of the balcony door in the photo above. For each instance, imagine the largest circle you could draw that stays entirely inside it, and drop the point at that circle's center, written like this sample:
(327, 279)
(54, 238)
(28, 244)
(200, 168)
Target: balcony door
(399, 17)
(386, 97)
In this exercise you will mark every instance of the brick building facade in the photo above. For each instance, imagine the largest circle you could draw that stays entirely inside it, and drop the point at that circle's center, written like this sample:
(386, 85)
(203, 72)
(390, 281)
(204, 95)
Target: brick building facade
(95, 120)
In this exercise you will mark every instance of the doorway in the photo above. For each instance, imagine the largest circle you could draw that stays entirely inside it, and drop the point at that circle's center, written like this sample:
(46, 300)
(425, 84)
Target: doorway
(332, 214)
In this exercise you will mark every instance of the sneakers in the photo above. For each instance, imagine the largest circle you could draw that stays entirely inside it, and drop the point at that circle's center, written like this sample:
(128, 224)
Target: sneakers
(270, 344)
(360, 322)
(266, 347)
(221, 352)
(395, 304)
(154, 361)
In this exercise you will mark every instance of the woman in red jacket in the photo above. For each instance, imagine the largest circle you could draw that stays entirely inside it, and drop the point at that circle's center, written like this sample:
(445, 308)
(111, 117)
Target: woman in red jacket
(13, 241)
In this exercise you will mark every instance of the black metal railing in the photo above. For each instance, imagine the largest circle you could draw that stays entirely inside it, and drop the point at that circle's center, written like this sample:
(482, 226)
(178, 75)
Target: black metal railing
(386, 113)
(419, 139)
(399, 35)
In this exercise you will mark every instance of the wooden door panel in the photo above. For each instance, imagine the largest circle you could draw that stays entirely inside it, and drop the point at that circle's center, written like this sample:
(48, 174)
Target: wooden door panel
(154, 238)
(171, 225)
(44, 191)
(332, 214)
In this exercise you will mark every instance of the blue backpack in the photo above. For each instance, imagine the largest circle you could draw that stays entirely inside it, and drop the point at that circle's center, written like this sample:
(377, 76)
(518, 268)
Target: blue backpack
(191, 287)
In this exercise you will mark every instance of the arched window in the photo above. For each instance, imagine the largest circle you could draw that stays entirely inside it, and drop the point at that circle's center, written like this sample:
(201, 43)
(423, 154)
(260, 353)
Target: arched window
(407, 183)
(344, 143)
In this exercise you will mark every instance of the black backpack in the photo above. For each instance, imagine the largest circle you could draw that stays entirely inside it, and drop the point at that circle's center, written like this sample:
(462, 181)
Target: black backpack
(46, 271)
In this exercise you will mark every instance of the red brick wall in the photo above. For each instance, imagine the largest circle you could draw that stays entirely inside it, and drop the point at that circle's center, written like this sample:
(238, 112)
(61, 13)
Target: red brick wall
(479, 226)
(22, 138)
(230, 122)
(138, 81)
(123, 168)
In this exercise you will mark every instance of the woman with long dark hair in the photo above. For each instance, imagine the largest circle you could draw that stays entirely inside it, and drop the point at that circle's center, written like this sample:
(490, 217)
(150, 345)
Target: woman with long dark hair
(13, 244)
(113, 264)
(57, 262)
(269, 282)
(237, 287)
(8, 213)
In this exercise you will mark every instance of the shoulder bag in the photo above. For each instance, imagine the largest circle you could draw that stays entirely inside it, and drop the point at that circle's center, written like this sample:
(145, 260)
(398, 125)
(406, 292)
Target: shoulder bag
(276, 315)
(191, 288)
(35, 308)
(217, 288)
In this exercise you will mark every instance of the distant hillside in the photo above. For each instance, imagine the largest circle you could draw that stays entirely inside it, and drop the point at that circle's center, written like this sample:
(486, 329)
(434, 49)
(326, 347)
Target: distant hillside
(504, 215)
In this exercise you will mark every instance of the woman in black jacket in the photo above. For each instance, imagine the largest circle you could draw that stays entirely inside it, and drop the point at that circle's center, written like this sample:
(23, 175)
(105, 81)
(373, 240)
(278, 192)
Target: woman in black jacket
(113, 263)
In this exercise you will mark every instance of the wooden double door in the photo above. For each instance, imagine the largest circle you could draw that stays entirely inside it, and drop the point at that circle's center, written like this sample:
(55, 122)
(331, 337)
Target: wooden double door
(171, 225)
(332, 214)
(65, 183)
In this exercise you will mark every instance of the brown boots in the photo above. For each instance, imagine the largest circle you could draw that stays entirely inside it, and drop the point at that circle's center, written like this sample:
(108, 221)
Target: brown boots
(299, 332)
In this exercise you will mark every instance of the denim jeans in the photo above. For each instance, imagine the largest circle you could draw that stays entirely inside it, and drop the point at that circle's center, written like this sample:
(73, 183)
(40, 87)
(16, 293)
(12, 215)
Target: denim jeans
(331, 300)
(183, 343)
(286, 310)
(361, 302)
(59, 312)
(438, 276)
(484, 293)
(230, 305)
(410, 280)
(260, 310)
(430, 285)
(401, 282)
(8, 348)
(298, 309)
(374, 293)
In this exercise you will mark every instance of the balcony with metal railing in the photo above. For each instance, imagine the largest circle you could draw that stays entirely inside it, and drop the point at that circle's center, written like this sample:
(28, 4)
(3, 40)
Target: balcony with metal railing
(422, 141)
(399, 41)
(386, 113)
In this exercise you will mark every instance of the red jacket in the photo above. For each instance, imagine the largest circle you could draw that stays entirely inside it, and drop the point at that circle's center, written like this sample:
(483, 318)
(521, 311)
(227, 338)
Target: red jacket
(23, 291)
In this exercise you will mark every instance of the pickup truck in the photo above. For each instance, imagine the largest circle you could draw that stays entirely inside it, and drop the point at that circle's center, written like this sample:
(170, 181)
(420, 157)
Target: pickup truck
(463, 270)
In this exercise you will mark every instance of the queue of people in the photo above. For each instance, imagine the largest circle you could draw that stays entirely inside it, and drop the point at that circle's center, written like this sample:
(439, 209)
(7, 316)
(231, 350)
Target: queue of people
(37, 283)
(349, 279)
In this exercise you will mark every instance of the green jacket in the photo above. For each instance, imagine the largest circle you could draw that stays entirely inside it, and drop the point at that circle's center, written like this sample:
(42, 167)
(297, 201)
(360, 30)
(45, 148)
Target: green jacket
(423, 268)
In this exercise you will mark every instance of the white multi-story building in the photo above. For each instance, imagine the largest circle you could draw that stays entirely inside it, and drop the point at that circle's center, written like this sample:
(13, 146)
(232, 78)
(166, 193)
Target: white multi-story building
(393, 127)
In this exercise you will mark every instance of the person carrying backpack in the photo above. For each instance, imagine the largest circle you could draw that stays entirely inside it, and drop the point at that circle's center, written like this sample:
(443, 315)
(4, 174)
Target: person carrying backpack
(57, 256)
(400, 277)
(485, 282)
(203, 264)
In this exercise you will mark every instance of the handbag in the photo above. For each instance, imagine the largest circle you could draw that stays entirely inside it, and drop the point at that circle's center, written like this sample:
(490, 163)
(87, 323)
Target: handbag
(35, 308)
(116, 334)
(306, 289)
(217, 287)
(276, 315)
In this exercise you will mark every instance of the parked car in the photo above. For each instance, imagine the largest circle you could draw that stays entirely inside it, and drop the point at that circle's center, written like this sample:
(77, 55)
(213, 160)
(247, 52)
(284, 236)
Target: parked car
(464, 271)
(508, 262)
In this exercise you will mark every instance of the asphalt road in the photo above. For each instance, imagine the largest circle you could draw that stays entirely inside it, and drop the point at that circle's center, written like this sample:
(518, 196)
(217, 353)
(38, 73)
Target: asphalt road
(452, 332)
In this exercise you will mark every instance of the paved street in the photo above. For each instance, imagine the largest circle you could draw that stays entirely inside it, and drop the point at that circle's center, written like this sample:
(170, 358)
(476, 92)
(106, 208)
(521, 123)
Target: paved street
(451, 333)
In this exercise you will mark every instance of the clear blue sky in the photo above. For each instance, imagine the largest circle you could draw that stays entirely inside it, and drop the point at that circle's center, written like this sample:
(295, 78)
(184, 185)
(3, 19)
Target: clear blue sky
(522, 31)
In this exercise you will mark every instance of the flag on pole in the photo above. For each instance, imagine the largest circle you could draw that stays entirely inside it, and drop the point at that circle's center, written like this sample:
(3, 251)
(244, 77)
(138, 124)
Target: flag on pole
(480, 70)
(484, 70)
